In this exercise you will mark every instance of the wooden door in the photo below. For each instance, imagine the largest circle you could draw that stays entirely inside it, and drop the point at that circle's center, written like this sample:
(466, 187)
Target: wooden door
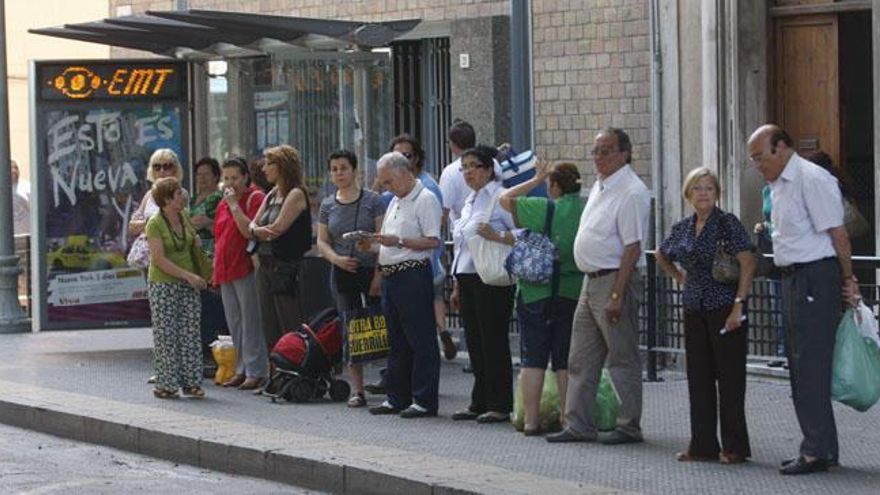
(806, 86)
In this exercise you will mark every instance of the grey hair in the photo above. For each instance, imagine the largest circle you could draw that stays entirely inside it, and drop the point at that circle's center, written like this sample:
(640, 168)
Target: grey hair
(395, 161)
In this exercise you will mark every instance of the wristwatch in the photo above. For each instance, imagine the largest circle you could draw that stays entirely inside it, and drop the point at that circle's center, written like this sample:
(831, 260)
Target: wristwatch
(400, 243)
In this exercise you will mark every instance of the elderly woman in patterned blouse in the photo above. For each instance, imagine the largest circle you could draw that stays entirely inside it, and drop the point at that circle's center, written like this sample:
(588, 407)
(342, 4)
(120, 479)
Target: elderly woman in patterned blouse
(714, 320)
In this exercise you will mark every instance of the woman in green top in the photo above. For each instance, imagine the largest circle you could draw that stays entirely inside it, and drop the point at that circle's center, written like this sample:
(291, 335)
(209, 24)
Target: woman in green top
(174, 294)
(544, 317)
(204, 205)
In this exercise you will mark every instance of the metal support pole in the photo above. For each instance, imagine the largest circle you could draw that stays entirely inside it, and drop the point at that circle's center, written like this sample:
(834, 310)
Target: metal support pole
(12, 318)
(651, 341)
(521, 74)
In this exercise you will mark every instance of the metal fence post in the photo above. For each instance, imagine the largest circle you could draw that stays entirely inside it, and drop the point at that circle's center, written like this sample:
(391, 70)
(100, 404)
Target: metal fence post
(651, 335)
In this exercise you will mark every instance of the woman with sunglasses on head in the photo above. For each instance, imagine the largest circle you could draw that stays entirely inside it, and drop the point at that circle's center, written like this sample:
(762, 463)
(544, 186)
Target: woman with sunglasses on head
(234, 274)
(163, 163)
(354, 275)
(282, 228)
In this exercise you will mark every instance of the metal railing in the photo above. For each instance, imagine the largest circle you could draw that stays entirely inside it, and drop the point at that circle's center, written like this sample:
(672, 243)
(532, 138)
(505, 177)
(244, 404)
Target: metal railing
(661, 319)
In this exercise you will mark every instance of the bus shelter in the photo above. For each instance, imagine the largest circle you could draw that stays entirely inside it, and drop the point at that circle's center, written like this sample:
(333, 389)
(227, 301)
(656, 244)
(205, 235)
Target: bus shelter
(227, 84)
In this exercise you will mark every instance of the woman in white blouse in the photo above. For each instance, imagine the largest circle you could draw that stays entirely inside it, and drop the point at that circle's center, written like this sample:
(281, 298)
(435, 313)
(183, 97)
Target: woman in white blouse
(485, 309)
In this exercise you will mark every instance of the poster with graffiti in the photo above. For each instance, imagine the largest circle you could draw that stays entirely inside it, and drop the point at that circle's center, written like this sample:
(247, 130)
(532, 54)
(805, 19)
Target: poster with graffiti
(97, 160)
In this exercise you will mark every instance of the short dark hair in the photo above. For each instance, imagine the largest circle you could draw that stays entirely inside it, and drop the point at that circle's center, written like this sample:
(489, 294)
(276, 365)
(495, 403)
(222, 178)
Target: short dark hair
(462, 135)
(241, 164)
(780, 135)
(346, 155)
(623, 141)
(567, 176)
(210, 162)
(418, 152)
(484, 154)
(163, 190)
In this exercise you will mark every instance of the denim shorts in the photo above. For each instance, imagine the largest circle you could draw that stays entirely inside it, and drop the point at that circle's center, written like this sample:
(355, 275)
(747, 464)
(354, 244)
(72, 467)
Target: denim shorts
(539, 343)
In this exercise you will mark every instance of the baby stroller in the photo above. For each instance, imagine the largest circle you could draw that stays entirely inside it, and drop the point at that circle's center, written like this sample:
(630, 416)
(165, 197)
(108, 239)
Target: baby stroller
(304, 360)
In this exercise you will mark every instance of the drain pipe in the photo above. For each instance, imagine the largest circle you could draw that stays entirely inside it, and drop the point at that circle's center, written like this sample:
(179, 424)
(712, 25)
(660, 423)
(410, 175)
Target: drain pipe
(657, 165)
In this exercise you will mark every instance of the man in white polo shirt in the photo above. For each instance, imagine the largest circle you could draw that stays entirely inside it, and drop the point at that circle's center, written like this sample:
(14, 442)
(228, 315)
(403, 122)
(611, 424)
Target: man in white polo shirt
(410, 232)
(608, 248)
(812, 249)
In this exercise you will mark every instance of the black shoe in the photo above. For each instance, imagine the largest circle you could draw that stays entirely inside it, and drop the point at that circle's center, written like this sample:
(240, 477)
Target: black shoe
(465, 415)
(832, 462)
(377, 388)
(384, 408)
(493, 417)
(802, 466)
(617, 437)
(566, 436)
(416, 411)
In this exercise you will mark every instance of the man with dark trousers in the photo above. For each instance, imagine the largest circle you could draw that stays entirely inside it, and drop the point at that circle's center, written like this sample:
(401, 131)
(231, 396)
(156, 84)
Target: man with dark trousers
(812, 249)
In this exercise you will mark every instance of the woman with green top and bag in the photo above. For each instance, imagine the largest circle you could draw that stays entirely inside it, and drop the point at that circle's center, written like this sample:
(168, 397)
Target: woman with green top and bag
(203, 207)
(174, 285)
(545, 311)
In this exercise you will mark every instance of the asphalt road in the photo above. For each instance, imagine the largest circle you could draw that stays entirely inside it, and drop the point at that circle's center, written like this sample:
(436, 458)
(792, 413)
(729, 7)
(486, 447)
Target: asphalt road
(37, 464)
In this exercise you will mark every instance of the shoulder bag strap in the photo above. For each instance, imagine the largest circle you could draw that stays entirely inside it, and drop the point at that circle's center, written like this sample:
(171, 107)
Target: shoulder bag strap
(357, 212)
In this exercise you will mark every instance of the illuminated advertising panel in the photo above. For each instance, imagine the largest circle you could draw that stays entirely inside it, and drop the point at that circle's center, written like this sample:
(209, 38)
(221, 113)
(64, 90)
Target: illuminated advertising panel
(95, 126)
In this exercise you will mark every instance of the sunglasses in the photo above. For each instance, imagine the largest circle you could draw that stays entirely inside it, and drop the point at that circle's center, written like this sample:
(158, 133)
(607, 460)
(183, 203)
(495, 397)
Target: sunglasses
(164, 166)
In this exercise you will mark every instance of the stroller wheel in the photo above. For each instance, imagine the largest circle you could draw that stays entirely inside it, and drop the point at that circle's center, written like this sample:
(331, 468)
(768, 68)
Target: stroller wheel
(339, 390)
(301, 391)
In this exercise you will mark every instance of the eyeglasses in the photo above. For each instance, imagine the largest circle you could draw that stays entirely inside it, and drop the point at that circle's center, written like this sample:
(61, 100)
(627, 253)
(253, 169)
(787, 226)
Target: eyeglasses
(470, 166)
(603, 152)
(164, 166)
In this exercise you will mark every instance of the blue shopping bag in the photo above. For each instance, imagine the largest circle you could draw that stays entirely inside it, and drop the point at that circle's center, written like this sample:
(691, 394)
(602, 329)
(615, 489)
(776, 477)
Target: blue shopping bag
(519, 168)
(855, 379)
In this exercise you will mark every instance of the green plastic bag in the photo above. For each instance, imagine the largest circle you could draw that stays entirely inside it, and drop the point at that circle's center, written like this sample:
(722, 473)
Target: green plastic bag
(548, 410)
(855, 379)
(607, 404)
(605, 410)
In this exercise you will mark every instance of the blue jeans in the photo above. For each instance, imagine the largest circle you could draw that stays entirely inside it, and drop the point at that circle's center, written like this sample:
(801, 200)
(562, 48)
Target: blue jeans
(414, 361)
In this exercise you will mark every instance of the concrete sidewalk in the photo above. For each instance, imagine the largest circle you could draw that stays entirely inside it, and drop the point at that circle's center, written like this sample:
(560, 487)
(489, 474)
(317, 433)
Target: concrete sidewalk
(92, 386)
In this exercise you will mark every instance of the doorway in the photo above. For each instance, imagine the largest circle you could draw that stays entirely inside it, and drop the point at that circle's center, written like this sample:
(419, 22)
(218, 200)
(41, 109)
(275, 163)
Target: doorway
(823, 96)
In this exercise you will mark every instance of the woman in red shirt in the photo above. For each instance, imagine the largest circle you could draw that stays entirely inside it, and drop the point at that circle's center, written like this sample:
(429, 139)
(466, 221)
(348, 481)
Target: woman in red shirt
(234, 274)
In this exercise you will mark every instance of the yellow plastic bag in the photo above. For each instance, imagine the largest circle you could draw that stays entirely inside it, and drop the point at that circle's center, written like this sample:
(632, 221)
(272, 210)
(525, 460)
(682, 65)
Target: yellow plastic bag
(224, 355)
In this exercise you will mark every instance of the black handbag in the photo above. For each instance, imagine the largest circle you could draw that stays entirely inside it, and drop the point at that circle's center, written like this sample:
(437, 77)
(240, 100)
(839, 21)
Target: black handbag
(765, 266)
(725, 266)
(345, 280)
(283, 277)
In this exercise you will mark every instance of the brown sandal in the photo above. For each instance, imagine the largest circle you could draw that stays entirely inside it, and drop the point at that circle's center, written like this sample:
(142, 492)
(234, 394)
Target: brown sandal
(731, 458)
(161, 393)
(686, 456)
(234, 381)
(357, 400)
(195, 392)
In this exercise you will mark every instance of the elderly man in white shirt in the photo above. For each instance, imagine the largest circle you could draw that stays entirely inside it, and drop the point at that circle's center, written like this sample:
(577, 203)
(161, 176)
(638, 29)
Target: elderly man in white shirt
(410, 231)
(812, 249)
(608, 248)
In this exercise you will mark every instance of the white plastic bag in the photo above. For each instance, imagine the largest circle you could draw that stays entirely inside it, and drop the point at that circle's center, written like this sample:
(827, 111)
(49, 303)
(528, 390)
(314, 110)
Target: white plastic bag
(489, 256)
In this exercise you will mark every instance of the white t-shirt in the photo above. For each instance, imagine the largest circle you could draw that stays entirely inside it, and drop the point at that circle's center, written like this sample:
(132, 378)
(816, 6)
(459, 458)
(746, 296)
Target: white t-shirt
(415, 215)
(806, 203)
(617, 214)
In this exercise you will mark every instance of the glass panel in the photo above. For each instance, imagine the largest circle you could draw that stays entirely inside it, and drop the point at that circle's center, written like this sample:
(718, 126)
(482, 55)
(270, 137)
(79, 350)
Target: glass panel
(316, 102)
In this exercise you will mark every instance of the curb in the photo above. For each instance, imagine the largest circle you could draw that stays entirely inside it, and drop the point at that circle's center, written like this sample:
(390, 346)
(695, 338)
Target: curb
(240, 448)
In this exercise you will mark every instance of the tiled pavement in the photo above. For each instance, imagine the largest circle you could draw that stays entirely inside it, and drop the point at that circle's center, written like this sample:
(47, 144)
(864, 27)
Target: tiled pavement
(102, 374)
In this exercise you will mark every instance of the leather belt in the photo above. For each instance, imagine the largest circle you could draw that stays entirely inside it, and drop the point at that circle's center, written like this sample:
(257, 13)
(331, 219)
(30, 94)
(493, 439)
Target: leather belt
(388, 270)
(787, 271)
(601, 273)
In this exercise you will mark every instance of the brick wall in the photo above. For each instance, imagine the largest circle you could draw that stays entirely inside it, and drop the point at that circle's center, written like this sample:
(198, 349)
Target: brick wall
(591, 70)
